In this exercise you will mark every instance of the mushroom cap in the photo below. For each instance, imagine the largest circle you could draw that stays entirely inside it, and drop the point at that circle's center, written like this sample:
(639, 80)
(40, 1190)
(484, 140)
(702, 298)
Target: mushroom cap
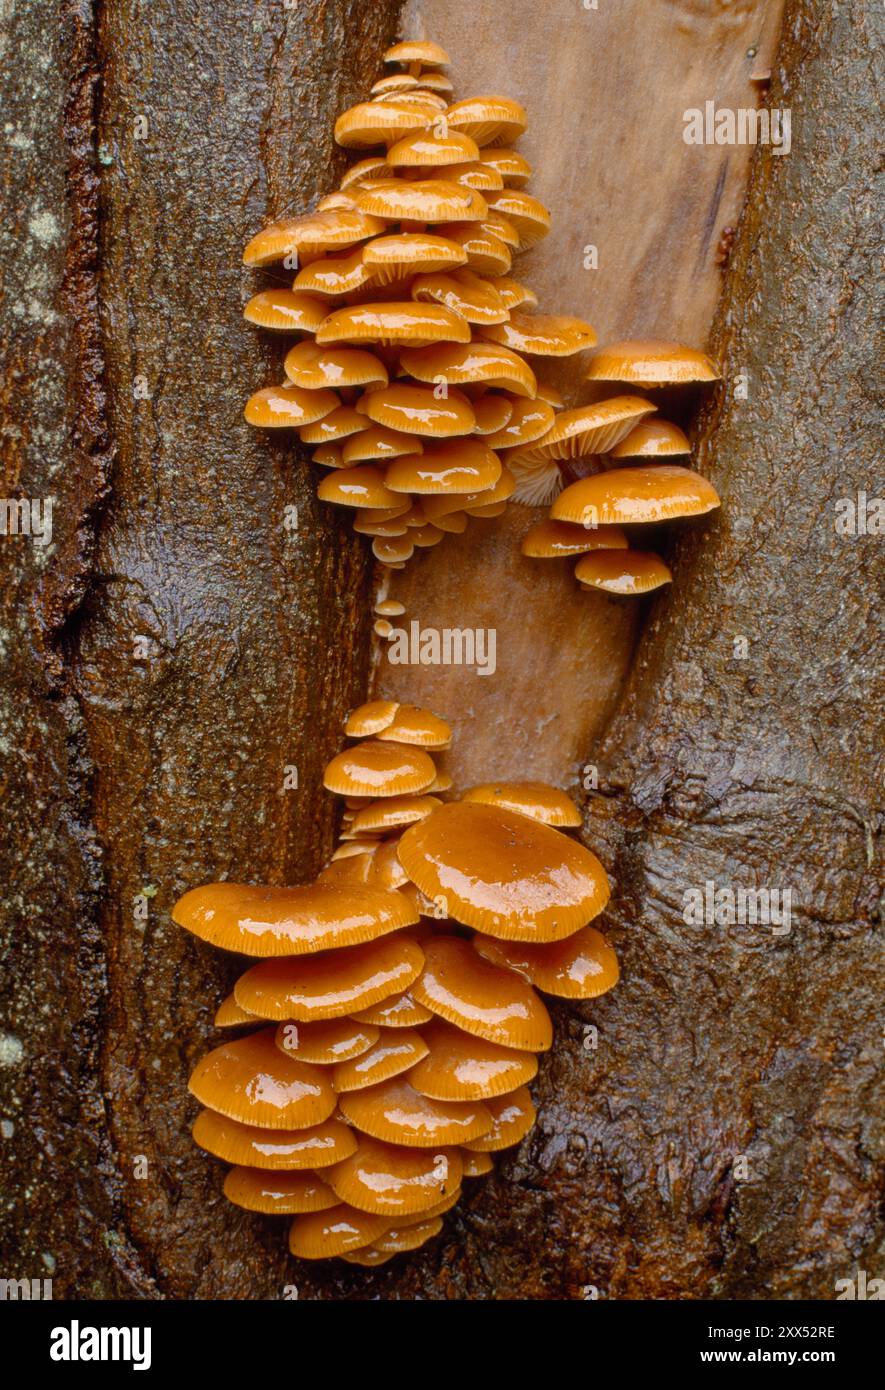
(552, 540)
(379, 769)
(385, 1178)
(627, 496)
(411, 253)
(463, 365)
(324, 1043)
(288, 407)
(475, 174)
(370, 718)
(589, 429)
(329, 985)
(423, 51)
(261, 921)
(435, 82)
(286, 1194)
(465, 293)
(456, 465)
(353, 871)
(492, 413)
(488, 120)
(230, 1015)
(276, 1150)
(502, 873)
(461, 1066)
(529, 216)
(399, 1011)
(338, 424)
(425, 537)
(476, 1165)
(432, 148)
(390, 608)
(321, 1234)
(379, 442)
(374, 167)
(513, 1116)
(250, 1080)
(581, 967)
(626, 572)
(285, 310)
(335, 276)
(481, 999)
(443, 506)
(513, 293)
(394, 321)
(396, 811)
(314, 232)
(649, 363)
(396, 82)
(418, 410)
(329, 456)
(653, 439)
(550, 395)
(487, 253)
(426, 200)
(529, 420)
(415, 725)
(545, 335)
(513, 167)
(397, 1114)
(537, 800)
(395, 1051)
(378, 123)
(362, 486)
(408, 1236)
(311, 366)
(393, 550)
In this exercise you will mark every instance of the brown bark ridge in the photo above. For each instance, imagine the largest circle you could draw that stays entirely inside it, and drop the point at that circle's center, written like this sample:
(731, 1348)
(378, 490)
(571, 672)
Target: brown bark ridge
(177, 647)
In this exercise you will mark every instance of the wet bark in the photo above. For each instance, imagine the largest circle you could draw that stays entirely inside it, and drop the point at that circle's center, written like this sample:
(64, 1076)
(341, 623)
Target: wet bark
(176, 648)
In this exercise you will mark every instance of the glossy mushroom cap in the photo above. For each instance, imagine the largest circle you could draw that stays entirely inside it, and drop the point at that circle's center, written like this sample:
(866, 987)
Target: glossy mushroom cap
(370, 718)
(504, 874)
(513, 1116)
(537, 800)
(251, 1081)
(456, 465)
(423, 51)
(398, 1114)
(414, 725)
(628, 496)
(387, 1179)
(288, 407)
(289, 921)
(419, 410)
(552, 540)
(397, 1050)
(276, 1150)
(581, 967)
(649, 363)
(379, 769)
(653, 439)
(285, 310)
(546, 335)
(310, 366)
(393, 322)
(590, 429)
(461, 1066)
(399, 1011)
(627, 572)
(488, 363)
(335, 1232)
(488, 120)
(480, 999)
(331, 984)
(326, 1042)
(280, 1194)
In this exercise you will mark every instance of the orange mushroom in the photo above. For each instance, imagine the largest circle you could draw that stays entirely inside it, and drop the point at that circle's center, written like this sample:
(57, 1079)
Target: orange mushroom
(398, 1114)
(481, 999)
(582, 966)
(626, 572)
(387, 1179)
(328, 985)
(251, 1081)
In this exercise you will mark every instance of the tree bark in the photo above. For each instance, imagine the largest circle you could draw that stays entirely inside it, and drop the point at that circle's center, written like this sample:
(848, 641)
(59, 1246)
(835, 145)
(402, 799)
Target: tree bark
(176, 648)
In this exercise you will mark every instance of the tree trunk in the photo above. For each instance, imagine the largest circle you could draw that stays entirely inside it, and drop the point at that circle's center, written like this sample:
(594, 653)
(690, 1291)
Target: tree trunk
(177, 648)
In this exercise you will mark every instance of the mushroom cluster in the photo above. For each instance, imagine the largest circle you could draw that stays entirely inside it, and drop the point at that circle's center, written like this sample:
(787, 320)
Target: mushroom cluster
(591, 503)
(409, 375)
(395, 1001)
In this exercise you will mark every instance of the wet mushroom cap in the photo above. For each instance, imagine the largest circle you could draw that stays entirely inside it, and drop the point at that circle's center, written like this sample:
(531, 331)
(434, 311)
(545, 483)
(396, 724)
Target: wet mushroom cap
(385, 1178)
(230, 1015)
(418, 410)
(425, 200)
(310, 366)
(335, 276)
(462, 365)
(259, 921)
(378, 442)
(476, 1165)
(649, 363)
(282, 1194)
(396, 1113)
(379, 769)
(537, 800)
(288, 407)
(480, 999)
(397, 811)
(462, 1066)
(591, 429)
(370, 718)
(626, 572)
(504, 874)
(407, 1237)
(396, 1051)
(399, 1011)
(513, 1116)
(653, 439)
(331, 984)
(546, 335)
(326, 1042)
(335, 228)
(408, 253)
(335, 1232)
(392, 322)
(414, 725)
(285, 310)
(275, 1150)
(490, 120)
(513, 167)
(581, 967)
(464, 292)
(550, 540)
(362, 486)
(251, 1081)
(423, 51)
(627, 496)
(455, 465)
(338, 424)
(432, 148)
(379, 123)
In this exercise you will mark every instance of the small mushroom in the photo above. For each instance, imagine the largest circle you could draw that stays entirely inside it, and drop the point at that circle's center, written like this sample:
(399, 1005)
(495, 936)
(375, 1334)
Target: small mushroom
(328, 985)
(426, 200)
(626, 572)
(480, 999)
(461, 1066)
(477, 363)
(369, 719)
(334, 1232)
(396, 1113)
(285, 311)
(513, 1116)
(582, 966)
(432, 149)
(488, 120)
(379, 769)
(392, 322)
(312, 367)
(651, 364)
(387, 1179)
(628, 496)
(463, 292)
(362, 486)
(456, 465)
(397, 811)
(400, 1011)
(545, 335)
(275, 1150)
(553, 540)
(414, 725)
(282, 1194)
(653, 439)
(418, 410)
(536, 800)
(251, 1081)
(390, 258)
(395, 1051)
(326, 1042)
(288, 407)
